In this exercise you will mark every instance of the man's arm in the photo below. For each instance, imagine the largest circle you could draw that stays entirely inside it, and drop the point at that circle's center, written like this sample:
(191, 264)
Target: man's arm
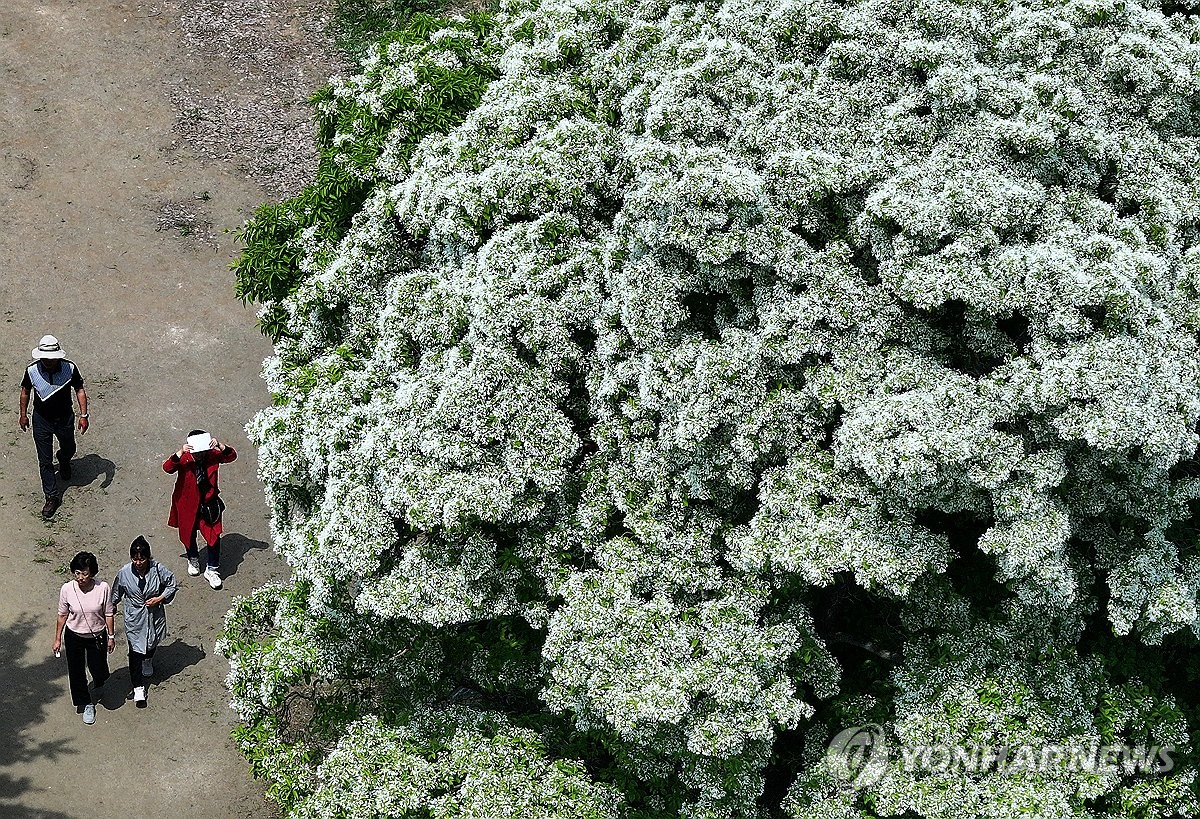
(23, 420)
(81, 395)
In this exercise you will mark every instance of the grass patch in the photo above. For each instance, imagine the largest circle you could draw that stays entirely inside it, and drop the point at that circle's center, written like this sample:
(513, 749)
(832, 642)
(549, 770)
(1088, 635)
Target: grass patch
(52, 553)
(359, 23)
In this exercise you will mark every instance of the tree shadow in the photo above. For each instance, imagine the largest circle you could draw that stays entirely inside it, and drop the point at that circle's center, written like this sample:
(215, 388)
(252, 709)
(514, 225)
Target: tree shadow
(233, 551)
(11, 811)
(28, 691)
(85, 470)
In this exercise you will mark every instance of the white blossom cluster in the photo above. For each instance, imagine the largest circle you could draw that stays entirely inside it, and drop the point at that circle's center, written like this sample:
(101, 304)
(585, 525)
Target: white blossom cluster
(391, 85)
(1013, 683)
(276, 643)
(451, 763)
(708, 309)
(642, 667)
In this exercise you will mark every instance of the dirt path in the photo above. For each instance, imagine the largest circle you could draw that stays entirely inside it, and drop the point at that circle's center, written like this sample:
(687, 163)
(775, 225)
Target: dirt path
(90, 169)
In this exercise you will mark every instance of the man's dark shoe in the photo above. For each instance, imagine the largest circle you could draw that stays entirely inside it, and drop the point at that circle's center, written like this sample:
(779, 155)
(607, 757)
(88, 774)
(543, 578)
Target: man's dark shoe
(51, 507)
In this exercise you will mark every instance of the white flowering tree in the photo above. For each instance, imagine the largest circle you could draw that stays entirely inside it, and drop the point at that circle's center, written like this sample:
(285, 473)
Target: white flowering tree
(729, 375)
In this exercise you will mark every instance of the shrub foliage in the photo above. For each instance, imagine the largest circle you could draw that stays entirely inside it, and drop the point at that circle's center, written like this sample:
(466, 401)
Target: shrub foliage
(411, 85)
(663, 388)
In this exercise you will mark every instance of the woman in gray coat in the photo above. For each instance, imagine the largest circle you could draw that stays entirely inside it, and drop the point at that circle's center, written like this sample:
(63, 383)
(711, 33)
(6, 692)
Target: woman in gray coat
(144, 586)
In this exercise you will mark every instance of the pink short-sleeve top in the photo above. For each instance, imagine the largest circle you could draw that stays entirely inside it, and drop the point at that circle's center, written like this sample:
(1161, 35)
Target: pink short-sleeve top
(85, 611)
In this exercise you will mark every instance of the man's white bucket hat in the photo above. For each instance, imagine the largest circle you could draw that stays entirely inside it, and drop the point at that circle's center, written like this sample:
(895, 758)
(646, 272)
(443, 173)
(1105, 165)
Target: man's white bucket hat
(49, 347)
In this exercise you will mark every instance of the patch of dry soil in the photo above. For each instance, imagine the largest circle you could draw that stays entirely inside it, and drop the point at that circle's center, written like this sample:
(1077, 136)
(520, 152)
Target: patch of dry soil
(133, 139)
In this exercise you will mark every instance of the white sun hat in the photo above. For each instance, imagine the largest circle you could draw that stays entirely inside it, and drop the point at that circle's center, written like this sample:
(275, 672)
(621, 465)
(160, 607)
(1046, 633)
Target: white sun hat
(48, 347)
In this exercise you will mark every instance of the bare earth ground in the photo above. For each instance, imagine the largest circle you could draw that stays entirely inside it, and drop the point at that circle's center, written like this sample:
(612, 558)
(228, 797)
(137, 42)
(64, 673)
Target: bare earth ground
(127, 151)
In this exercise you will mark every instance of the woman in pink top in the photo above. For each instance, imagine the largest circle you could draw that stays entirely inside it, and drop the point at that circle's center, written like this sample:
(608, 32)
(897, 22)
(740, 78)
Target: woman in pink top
(85, 624)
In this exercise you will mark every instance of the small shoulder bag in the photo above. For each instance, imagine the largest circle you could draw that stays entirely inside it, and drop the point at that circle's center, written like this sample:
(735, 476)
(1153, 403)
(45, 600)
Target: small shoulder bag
(210, 510)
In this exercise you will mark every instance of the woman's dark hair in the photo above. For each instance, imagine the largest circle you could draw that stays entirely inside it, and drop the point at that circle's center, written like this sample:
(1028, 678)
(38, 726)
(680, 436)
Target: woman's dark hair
(85, 560)
(196, 432)
(140, 547)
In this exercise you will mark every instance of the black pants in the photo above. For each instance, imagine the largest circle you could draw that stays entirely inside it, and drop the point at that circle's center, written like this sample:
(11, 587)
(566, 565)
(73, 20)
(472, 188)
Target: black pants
(44, 433)
(90, 650)
(135, 666)
(214, 549)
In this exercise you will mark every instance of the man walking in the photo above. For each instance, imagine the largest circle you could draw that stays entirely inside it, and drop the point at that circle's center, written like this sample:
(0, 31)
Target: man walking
(52, 377)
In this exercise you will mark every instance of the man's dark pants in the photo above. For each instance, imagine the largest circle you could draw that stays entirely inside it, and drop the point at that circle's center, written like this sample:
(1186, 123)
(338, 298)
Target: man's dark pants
(45, 431)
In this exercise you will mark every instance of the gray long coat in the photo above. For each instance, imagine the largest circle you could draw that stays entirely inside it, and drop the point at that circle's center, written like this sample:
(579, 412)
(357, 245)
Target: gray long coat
(144, 627)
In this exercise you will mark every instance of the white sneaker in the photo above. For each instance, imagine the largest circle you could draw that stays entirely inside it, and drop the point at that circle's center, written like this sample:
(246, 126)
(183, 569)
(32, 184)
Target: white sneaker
(194, 566)
(213, 576)
(89, 714)
(139, 696)
(147, 667)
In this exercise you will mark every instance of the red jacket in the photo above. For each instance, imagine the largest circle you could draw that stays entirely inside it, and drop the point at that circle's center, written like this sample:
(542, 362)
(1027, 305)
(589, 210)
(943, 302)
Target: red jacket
(185, 500)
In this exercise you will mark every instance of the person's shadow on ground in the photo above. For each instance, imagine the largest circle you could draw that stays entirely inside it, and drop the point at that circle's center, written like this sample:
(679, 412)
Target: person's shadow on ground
(85, 470)
(169, 660)
(233, 551)
(116, 688)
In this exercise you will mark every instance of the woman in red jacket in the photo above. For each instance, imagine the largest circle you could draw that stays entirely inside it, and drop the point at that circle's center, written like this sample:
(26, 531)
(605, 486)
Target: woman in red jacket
(196, 504)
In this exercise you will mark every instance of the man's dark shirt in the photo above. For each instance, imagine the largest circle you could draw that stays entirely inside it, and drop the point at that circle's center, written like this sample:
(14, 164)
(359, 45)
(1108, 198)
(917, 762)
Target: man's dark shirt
(58, 407)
